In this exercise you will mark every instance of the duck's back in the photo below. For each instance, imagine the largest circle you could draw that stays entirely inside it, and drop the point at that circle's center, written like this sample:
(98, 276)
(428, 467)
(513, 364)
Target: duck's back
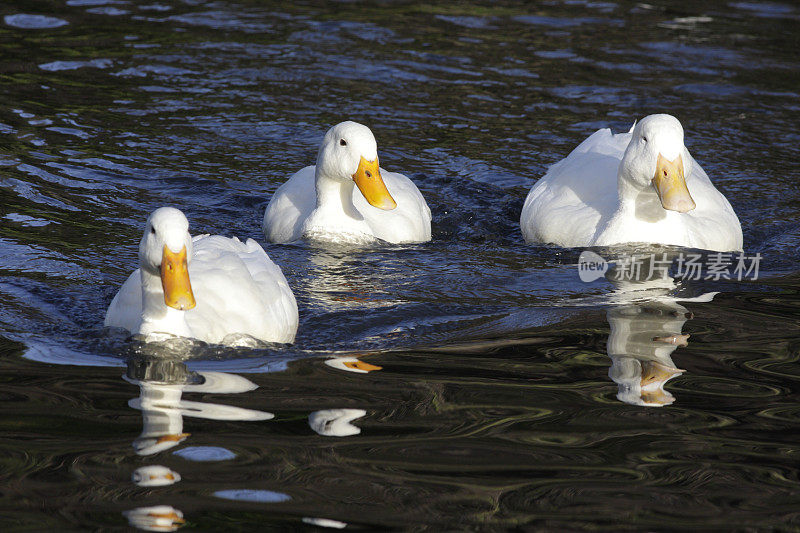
(125, 310)
(410, 221)
(290, 205)
(239, 290)
(569, 203)
(713, 224)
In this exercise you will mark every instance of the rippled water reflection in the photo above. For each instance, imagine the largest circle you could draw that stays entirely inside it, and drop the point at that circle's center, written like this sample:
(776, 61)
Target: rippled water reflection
(470, 382)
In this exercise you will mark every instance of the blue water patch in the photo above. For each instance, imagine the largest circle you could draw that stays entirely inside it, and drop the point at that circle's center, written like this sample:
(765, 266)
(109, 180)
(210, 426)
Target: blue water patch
(251, 495)
(55, 66)
(205, 453)
(110, 11)
(765, 9)
(33, 22)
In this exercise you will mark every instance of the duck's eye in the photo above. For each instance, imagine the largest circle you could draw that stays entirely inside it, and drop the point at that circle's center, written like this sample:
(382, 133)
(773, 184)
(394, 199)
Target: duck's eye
(644, 138)
(342, 142)
(152, 230)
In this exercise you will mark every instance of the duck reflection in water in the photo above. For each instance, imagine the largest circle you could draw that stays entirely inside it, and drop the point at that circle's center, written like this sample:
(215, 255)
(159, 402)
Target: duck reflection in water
(155, 518)
(335, 422)
(154, 476)
(640, 345)
(352, 364)
(646, 328)
(341, 278)
(162, 383)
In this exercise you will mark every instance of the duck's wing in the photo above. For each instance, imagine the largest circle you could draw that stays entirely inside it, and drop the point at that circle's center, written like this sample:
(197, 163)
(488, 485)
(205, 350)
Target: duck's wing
(713, 223)
(577, 195)
(290, 206)
(125, 310)
(410, 221)
(239, 290)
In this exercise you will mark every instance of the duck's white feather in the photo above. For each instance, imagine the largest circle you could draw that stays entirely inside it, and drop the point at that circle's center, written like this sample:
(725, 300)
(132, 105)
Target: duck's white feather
(239, 291)
(294, 201)
(576, 202)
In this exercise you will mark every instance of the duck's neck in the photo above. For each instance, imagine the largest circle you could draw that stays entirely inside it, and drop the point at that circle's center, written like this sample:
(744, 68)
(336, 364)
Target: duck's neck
(641, 204)
(336, 215)
(335, 196)
(157, 317)
(640, 217)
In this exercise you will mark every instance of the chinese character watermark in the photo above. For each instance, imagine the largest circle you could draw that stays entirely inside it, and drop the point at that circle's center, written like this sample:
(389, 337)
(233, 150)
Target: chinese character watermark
(689, 266)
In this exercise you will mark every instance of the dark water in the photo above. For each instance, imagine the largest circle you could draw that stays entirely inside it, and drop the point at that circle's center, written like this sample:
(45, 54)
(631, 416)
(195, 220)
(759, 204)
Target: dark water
(504, 395)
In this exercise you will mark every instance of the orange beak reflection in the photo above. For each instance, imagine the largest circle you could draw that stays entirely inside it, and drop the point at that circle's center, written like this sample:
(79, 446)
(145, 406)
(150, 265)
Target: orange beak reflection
(654, 372)
(175, 280)
(657, 397)
(369, 182)
(178, 437)
(361, 365)
(175, 517)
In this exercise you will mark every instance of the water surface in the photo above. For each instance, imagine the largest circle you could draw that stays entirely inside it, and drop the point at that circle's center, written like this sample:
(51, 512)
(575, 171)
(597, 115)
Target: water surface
(507, 390)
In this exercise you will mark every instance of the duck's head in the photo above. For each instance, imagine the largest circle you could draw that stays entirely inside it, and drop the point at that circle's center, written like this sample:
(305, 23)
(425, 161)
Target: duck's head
(656, 157)
(349, 153)
(165, 250)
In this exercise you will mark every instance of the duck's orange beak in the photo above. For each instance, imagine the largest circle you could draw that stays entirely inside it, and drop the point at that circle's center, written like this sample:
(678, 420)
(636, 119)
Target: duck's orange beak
(175, 280)
(369, 181)
(670, 184)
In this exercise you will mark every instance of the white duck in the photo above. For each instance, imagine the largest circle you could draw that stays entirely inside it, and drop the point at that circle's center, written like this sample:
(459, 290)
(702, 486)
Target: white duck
(641, 186)
(320, 201)
(209, 287)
